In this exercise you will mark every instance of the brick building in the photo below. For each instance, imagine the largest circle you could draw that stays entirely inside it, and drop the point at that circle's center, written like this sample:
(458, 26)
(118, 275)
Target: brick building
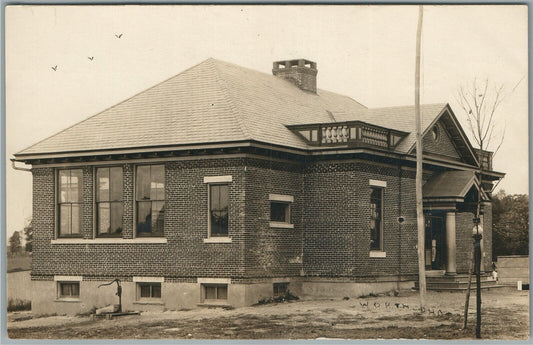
(223, 185)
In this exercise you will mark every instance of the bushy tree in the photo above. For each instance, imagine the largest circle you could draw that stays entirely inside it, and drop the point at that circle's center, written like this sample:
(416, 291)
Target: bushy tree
(14, 242)
(28, 234)
(510, 231)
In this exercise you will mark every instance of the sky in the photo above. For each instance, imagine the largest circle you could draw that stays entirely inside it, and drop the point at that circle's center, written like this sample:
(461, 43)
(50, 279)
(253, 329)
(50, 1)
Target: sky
(365, 52)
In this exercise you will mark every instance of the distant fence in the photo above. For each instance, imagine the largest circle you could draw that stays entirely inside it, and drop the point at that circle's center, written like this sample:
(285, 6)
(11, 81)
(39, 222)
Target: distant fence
(513, 268)
(19, 285)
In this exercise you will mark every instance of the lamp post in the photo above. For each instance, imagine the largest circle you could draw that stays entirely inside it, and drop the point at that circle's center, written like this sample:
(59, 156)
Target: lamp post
(477, 234)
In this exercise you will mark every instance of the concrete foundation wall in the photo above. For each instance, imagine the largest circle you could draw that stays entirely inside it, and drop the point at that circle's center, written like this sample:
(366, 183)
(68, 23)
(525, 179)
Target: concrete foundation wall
(318, 290)
(176, 296)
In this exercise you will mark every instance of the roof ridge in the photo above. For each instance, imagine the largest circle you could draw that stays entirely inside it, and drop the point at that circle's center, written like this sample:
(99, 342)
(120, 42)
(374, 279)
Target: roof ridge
(409, 105)
(229, 98)
(113, 106)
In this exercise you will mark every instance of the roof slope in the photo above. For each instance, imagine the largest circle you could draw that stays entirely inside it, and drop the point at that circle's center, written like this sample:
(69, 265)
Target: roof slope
(216, 101)
(449, 184)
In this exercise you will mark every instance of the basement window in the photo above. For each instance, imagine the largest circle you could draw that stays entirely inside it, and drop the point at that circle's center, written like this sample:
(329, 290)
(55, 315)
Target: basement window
(68, 290)
(148, 291)
(215, 292)
(280, 289)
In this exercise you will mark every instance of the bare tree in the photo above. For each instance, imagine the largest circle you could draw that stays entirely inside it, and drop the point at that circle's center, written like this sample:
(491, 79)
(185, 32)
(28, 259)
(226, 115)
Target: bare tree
(480, 102)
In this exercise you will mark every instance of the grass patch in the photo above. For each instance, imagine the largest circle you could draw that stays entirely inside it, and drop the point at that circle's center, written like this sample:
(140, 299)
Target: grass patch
(18, 262)
(18, 305)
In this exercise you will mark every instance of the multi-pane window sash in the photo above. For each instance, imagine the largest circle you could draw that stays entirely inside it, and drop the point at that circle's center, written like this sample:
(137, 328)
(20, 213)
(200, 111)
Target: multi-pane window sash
(69, 290)
(109, 209)
(149, 290)
(150, 199)
(213, 291)
(70, 200)
(218, 210)
(376, 218)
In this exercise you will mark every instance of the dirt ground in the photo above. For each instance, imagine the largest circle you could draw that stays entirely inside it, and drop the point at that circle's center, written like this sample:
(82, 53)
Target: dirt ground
(505, 315)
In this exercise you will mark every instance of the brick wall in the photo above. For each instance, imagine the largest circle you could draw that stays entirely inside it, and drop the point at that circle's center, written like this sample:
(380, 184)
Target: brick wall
(337, 215)
(272, 251)
(330, 213)
(184, 255)
(463, 233)
(464, 225)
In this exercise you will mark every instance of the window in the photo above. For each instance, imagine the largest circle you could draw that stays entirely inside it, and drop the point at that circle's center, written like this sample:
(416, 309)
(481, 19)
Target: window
(280, 289)
(218, 210)
(280, 212)
(109, 208)
(150, 198)
(435, 133)
(376, 218)
(215, 291)
(148, 290)
(70, 200)
(68, 289)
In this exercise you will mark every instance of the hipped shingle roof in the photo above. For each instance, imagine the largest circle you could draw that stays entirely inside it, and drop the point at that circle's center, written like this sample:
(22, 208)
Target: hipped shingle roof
(215, 102)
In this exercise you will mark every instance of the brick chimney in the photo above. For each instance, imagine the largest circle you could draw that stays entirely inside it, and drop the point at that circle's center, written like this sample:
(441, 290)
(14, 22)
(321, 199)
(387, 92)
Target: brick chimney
(300, 72)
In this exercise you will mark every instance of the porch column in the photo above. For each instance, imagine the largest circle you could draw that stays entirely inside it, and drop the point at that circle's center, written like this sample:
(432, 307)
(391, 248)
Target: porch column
(451, 248)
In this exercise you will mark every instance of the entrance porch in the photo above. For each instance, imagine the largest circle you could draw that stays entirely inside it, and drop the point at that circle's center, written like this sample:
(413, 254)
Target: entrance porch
(450, 200)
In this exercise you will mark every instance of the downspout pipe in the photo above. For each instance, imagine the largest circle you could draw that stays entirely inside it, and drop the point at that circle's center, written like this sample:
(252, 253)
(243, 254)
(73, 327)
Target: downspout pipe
(18, 168)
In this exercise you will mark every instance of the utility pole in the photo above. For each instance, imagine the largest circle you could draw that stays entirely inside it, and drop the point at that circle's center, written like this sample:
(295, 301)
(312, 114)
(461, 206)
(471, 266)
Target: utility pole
(419, 204)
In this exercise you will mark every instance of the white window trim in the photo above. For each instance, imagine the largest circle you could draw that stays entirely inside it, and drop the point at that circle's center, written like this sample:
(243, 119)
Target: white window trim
(377, 183)
(281, 197)
(217, 240)
(282, 225)
(214, 281)
(67, 279)
(148, 279)
(110, 240)
(377, 254)
(218, 179)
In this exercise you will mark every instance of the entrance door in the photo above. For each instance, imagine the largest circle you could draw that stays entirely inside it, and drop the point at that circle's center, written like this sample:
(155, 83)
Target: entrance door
(435, 242)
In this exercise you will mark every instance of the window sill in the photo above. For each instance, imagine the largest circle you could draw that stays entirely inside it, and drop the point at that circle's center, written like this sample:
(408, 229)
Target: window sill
(217, 240)
(281, 225)
(110, 240)
(215, 303)
(147, 302)
(68, 300)
(378, 254)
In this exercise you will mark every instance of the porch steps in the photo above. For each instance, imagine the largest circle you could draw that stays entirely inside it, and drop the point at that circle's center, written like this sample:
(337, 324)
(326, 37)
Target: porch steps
(458, 283)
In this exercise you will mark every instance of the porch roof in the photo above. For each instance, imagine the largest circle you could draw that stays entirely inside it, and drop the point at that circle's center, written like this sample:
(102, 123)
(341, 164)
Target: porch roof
(450, 184)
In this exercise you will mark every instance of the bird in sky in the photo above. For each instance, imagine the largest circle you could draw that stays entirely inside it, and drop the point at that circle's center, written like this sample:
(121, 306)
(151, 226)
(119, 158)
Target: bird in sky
(90, 58)
(54, 68)
(118, 36)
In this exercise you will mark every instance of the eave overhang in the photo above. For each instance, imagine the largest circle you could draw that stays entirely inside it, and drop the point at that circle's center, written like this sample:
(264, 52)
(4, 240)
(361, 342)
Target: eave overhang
(240, 147)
